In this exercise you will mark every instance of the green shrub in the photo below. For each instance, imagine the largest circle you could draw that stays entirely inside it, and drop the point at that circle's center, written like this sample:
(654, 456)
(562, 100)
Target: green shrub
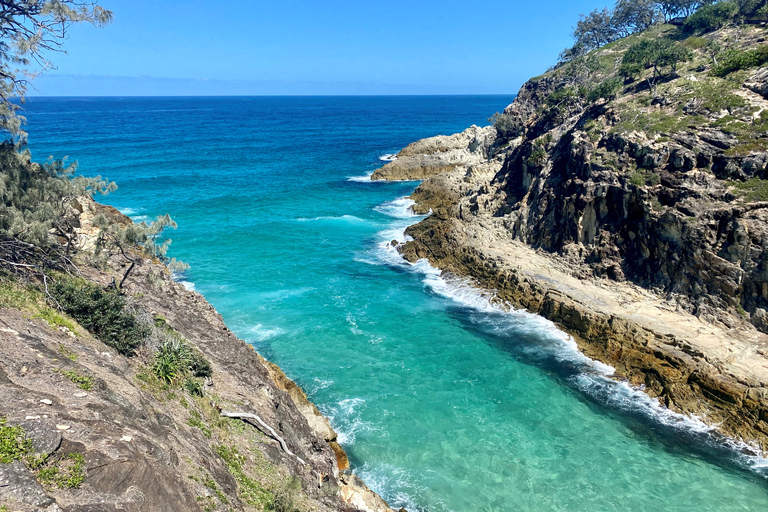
(711, 17)
(538, 156)
(607, 89)
(754, 189)
(172, 361)
(84, 382)
(694, 43)
(102, 312)
(507, 126)
(194, 387)
(67, 473)
(14, 444)
(737, 60)
(199, 365)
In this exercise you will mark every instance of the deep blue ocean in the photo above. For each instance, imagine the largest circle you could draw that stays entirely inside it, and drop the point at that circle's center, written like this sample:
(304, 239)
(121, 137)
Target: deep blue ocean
(443, 401)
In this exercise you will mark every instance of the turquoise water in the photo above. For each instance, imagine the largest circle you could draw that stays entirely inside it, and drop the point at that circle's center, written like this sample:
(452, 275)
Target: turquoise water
(443, 402)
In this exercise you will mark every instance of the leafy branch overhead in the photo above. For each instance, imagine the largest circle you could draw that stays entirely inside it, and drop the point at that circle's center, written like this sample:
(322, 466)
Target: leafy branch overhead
(29, 31)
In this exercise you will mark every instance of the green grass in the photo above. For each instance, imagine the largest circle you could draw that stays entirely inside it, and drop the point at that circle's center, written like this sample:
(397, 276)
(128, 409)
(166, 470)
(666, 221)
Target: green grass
(31, 300)
(655, 123)
(751, 190)
(211, 484)
(65, 473)
(14, 444)
(84, 382)
(56, 319)
(249, 490)
(67, 353)
(196, 420)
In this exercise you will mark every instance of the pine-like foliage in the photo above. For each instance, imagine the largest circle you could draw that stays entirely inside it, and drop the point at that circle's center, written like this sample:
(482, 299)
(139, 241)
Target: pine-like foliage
(30, 30)
(37, 203)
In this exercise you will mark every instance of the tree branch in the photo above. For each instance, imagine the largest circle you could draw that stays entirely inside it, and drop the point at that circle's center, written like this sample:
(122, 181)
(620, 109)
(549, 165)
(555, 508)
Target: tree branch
(248, 416)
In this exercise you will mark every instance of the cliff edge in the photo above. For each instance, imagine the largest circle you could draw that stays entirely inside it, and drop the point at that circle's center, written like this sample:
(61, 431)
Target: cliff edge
(631, 213)
(85, 428)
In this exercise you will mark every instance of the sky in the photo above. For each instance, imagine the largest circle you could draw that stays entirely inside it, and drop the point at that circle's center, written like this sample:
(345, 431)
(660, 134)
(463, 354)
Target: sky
(303, 47)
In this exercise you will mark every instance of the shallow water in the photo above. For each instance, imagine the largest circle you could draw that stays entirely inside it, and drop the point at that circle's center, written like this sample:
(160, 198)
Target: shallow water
(443, 402)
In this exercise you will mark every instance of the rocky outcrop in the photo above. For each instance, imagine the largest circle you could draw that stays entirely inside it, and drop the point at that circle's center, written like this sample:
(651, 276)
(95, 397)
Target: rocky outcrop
(638, 224)
(692, 366)
(149, 447)
(429, 157)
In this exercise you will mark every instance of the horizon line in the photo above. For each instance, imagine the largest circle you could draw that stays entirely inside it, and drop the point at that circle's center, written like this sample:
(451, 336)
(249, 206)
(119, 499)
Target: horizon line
(46, 96)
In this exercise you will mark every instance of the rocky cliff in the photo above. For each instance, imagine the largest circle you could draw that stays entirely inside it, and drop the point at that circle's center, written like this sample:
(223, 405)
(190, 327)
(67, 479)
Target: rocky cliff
(85, 428)
(635, 219)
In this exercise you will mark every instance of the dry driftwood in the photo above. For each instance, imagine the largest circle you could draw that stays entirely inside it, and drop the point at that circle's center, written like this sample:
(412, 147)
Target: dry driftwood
(248, 416)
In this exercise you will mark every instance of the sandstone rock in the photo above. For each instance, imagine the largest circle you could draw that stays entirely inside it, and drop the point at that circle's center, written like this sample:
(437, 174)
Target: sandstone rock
(429, 157)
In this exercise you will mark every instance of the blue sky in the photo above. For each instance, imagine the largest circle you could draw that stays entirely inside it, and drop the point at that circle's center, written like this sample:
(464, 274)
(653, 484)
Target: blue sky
(196, 47)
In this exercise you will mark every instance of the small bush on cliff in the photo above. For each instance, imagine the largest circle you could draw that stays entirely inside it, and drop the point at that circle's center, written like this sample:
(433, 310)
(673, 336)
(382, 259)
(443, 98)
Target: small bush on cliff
(538, 155)
(737, 60)
(507, 126)
(711, 17)
(172, 361)
(607, 89)
(175, 360)
(102, 311)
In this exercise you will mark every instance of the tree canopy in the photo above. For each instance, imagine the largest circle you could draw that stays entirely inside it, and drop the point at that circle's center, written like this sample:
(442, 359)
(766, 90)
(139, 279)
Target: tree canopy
(628, 17)
(656, 54)
(30, 30)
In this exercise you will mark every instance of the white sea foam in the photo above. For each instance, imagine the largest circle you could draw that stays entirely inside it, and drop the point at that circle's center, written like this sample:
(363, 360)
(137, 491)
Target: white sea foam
(258, 333)
(346, 419)
(190, 286)
(319, 384)
(347, 218)
(388, 157)
(396, 483)
(401, 208)
(361, 179)
(353, 328)
(127, 211)
(179, 277)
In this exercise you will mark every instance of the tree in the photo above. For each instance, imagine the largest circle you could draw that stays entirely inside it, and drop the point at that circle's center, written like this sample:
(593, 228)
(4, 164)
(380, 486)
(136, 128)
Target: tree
(595, 29)
(115, 238)
(29, 31)
(673, 8)
(38, 202)
(656, 54)
(630, 16)
(752, 7)
(711, 17)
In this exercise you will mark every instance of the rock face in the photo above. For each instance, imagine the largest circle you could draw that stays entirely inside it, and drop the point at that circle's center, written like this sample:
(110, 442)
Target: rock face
(639, 224)
(146, 447)
(429, 157)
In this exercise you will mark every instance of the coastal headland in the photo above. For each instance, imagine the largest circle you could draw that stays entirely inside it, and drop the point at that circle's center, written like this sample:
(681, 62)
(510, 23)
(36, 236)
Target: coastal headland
(634, 221)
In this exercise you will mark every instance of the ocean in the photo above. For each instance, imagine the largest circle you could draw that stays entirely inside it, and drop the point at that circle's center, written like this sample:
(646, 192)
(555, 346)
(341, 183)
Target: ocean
(443, 401)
